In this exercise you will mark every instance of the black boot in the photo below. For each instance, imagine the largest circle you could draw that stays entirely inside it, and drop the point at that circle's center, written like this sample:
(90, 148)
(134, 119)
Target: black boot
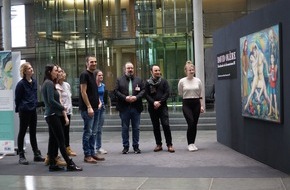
(38, 157)
(22, 159)
(71, 166)
(53, 167)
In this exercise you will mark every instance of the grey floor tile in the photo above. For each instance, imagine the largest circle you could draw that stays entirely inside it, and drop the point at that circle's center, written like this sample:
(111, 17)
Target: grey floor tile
(213, 167)
(176, 183)
(247, 184)
(286, 182)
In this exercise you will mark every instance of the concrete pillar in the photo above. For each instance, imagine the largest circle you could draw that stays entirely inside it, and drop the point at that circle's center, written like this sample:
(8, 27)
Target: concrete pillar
(198, 44)
(6, 20)
(117, 18)
(119, 64)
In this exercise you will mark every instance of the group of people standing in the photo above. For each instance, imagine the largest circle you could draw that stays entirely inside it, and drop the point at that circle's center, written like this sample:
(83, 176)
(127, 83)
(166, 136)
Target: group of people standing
(57, 99)
(56, 94)
(129, 92)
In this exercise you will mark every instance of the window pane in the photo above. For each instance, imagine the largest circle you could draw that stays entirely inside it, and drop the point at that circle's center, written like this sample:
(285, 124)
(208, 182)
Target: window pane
(18, 26)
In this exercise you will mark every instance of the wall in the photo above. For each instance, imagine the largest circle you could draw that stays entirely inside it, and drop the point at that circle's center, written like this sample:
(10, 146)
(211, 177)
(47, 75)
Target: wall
(264, 141)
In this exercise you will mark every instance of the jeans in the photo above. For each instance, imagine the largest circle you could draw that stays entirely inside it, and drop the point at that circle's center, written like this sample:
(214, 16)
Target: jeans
(100, 123)
(90, 131)
(130, 114)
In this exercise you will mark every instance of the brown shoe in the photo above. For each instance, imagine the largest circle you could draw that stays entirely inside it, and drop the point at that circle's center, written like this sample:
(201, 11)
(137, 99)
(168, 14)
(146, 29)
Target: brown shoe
(158, 148)
(171, 149)
(89, 159)
(46, 161)
(58, 161)
(70, 152)
(98, 158)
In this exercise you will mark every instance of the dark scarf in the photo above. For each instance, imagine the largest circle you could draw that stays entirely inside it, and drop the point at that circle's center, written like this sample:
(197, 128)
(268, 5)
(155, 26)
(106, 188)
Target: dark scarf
(153, 82)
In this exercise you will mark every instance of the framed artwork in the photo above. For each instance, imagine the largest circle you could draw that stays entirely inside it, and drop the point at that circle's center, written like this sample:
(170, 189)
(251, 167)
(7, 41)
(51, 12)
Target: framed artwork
(261, 74)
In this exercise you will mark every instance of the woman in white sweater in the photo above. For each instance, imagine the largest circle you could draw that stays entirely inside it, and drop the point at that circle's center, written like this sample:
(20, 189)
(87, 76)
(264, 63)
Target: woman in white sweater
(190, 89)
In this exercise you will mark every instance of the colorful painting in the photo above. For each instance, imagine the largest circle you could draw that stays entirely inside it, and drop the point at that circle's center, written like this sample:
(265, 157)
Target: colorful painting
(6, 77)
(260, 74)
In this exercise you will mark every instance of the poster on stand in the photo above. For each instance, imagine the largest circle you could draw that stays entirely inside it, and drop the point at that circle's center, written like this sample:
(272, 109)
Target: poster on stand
(8, 67)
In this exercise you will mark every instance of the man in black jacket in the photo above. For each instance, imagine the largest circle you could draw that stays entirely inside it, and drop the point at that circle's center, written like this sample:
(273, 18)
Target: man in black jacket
(129, 91)
(157, 92)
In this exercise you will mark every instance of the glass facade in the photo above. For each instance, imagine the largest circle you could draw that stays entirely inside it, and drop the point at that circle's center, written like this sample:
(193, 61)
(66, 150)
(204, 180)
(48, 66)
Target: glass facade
(144, 32)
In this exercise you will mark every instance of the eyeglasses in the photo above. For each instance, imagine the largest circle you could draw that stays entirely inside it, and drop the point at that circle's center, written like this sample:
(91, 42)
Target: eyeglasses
(93, 61)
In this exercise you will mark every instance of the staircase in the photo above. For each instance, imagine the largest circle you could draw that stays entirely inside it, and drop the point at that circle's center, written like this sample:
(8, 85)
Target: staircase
(207, 121)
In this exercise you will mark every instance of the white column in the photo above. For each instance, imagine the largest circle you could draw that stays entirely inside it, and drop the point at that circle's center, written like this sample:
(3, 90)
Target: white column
(6, 15)
(198, 43)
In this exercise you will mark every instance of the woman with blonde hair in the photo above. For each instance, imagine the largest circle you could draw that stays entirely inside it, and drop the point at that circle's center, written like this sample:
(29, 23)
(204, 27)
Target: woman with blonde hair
(190, 88)
(64, 90)
(26, 103)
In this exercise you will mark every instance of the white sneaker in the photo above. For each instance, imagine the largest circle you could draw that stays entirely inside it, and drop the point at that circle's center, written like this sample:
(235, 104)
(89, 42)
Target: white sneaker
(102, 151)
(192, 147)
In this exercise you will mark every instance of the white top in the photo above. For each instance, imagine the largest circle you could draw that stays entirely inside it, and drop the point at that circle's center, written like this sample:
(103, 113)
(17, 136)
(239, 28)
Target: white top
(65, 96)
(189, 88)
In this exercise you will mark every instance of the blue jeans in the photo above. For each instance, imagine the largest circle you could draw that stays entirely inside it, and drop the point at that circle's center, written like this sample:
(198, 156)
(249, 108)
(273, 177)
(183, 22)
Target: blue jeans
(126, 116)
(100, 123)
(90, 131)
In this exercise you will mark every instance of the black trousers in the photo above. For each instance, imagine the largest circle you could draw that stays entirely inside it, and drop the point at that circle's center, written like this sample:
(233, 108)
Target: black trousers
(191, 112)
(157, 116)
(66, 130)
(56, 138)
(27, 118)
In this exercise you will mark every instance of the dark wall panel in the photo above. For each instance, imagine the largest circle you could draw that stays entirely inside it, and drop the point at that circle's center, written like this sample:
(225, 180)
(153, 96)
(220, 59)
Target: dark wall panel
(265, 141)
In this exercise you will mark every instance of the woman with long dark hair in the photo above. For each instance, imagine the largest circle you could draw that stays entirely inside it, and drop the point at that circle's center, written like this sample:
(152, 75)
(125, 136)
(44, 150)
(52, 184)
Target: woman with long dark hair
(53, 116)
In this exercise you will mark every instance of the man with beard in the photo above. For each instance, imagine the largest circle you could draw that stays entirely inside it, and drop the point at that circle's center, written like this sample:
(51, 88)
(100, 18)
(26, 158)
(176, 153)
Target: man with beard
(157, 92)
(129, 91)
(89, 104)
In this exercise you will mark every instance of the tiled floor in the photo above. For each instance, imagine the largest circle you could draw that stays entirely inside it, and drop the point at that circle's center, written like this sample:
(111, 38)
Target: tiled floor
(213, 167)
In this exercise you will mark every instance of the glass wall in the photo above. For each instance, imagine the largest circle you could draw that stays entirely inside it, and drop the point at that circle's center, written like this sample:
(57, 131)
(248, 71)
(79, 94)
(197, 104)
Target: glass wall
(144, 32)
(66, 32)
(164, 37)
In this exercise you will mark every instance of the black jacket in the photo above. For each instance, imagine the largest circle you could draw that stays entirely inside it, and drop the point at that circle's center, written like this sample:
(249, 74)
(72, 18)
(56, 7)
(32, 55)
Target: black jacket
(158, 92)
(122, 90)
(26, 95)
